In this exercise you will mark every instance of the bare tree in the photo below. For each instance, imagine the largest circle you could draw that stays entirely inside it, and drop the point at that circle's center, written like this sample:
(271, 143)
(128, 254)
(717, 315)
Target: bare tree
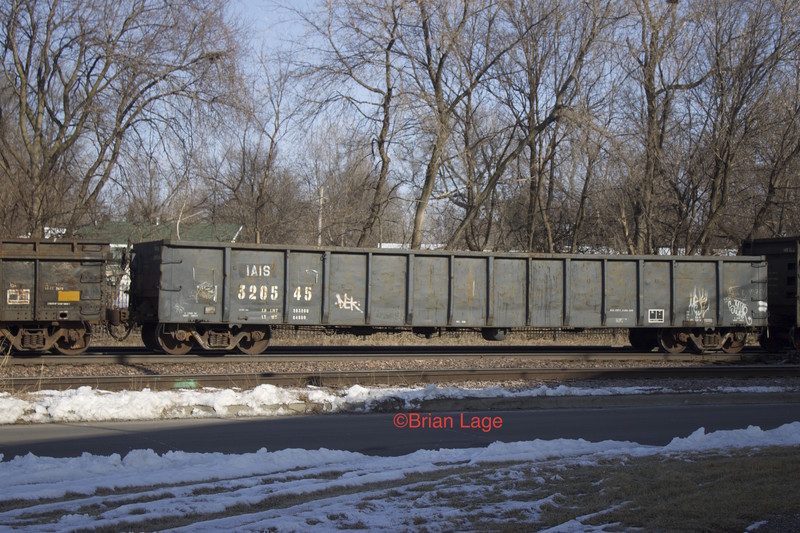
(778, 149)
(661, 57)
(269, 110)
(362, 38)
(578, 33)
(83, 74)
(746, 44)
(433, 35)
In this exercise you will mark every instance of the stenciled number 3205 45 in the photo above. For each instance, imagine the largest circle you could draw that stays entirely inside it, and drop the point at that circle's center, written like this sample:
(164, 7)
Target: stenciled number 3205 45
(258, 292)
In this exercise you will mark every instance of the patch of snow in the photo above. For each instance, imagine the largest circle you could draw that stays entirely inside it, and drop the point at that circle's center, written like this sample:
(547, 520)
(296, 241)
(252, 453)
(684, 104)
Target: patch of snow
(86, 404)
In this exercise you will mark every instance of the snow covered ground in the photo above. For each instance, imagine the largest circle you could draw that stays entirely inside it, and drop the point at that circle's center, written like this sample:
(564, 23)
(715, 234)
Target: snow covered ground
(300, 490)
(90, 405)
(327, 490)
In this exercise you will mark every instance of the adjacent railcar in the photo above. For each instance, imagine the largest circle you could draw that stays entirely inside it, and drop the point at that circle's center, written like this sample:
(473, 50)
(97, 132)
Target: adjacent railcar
(783, 258)
(52, 294)
(226, 296)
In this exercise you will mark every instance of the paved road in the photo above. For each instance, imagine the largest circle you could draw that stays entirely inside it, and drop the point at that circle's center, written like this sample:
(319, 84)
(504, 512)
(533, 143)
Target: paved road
(376, 434)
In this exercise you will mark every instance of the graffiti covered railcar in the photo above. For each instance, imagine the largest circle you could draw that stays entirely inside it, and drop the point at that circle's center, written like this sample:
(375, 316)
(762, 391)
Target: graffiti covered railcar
(226, 296)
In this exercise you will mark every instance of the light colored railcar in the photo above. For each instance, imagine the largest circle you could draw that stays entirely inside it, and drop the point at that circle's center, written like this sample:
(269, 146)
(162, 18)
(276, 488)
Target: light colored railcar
(226, 296)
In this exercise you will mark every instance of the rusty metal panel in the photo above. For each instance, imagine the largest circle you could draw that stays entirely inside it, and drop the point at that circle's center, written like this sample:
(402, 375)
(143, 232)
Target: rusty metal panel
(657, 298)
(470, 296)
(585, 296)
(695, 293)
(510, 294)
(256, 286)
(347, 289)
(547, 293)
(304, 276)
(620, 293)
(387, 289)
(431, 290)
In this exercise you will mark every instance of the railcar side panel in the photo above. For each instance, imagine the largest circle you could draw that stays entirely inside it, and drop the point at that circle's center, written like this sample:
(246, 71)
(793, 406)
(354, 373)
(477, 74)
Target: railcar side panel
(741, 294)
(69, 291)
(584, 295)
(510, 299)
(620, 293)
(547, 293)
(18, 290)
(191, 285)
(783, 260)
(256, 286)
(304, 289)
(52, 281)
(695, 293)
(469, 282)
(431, 290)
(347, 289)
(388, 282)
(656, 294)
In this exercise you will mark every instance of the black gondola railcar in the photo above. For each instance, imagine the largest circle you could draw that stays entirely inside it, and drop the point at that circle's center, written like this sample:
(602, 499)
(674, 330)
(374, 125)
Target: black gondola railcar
(52, 293)
(226, 296)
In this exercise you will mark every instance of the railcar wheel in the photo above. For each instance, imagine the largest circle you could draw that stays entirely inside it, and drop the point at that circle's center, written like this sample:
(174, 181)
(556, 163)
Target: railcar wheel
(642, 339)
(76, 341)
(170, 344)
(256, 343)
(734, 344)
(671, 342)
(150, 337)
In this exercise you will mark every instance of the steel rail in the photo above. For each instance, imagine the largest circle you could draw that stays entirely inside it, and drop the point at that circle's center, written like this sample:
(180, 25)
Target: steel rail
(385, 377)
(288, 354)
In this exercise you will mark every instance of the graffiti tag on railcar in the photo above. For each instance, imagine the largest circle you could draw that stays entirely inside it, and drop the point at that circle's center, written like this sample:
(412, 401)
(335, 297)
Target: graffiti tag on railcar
(738, 307)
(348, 303)
(206, 292)
(698, 305)
(739, 310)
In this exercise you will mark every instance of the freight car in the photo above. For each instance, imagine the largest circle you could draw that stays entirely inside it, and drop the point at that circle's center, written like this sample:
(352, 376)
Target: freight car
(226, 296)
(783, 257)
(52, 294)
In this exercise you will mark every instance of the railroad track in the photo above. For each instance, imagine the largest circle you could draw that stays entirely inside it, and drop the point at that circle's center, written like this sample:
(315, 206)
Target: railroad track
(386, 377)
(284, 354)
